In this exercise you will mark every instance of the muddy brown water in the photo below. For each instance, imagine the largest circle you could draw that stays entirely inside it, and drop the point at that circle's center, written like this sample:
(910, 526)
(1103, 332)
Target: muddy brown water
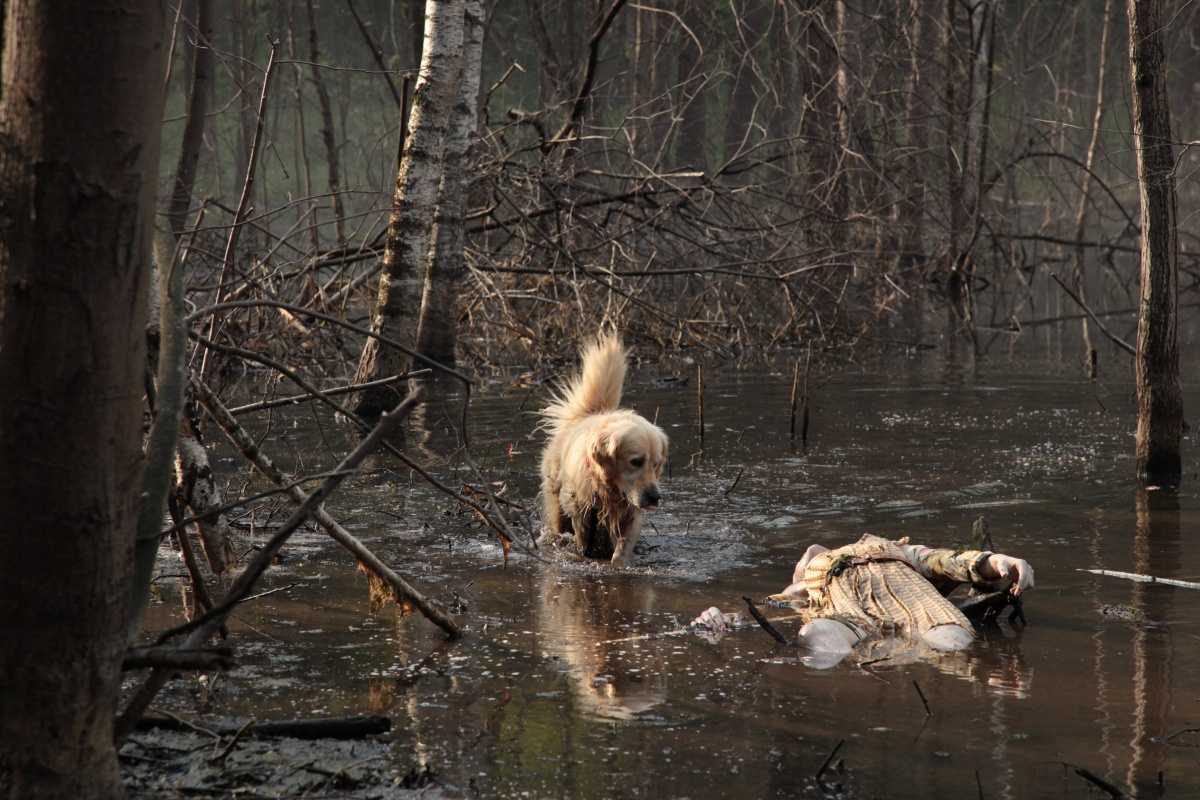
(569, 683)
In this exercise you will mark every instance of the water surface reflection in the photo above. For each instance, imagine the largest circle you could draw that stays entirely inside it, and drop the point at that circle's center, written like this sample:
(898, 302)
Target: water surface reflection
(573, 682)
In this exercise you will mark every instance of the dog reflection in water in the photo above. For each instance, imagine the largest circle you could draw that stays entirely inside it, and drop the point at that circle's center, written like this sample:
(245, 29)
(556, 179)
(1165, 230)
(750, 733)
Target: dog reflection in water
(583, 622)
(602, 463)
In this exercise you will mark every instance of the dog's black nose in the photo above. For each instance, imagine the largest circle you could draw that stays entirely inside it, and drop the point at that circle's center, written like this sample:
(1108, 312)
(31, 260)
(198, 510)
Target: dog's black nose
(650, 498)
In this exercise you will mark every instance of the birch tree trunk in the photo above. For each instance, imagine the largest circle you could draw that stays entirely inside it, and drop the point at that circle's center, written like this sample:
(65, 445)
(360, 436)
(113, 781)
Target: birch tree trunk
(413, 206)
(81, 104)
(437, 332)
(1160, 397)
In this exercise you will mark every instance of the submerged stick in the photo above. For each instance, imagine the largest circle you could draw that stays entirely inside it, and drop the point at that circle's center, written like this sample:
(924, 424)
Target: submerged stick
(735, 482)
(402, 590)
(1096, 780)
(795, 398)
(828, 758)
(203, 627)
(807, 388)
(928, 713)
(766, 626)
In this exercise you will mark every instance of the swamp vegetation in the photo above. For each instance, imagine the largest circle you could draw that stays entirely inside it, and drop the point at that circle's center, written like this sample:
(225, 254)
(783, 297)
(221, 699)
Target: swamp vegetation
(374, 214)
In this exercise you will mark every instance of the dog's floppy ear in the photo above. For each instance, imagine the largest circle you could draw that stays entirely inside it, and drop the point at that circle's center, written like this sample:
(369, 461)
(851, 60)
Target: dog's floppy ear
(602, 449)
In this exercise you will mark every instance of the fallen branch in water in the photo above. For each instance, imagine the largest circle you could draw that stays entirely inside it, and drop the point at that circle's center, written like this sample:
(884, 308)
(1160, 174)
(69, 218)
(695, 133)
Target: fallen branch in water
(1167, 739)
(205, 659)
(828, 758)
(1096, 780)
(331, 728)
(1112, 337)
(928, 712)
(766, 626)
(403, 591)
(202, 628)
(1133, 576)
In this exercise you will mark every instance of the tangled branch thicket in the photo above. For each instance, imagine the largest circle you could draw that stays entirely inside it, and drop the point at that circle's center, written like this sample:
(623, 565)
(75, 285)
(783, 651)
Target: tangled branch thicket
(734, 182)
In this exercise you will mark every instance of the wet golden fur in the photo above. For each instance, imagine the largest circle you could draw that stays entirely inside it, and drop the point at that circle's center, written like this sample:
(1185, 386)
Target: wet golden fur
(602, 463)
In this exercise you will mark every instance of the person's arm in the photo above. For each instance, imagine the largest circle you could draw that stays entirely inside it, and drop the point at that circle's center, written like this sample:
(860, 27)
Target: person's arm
(715, 620)
(998, 566)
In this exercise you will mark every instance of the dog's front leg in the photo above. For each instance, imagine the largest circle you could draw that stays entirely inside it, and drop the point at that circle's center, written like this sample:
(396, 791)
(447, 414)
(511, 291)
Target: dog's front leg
(631, 529)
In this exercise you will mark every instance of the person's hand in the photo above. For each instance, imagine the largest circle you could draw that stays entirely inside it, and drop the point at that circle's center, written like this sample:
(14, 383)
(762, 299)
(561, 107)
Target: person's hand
(1016, 570)
(714, 620)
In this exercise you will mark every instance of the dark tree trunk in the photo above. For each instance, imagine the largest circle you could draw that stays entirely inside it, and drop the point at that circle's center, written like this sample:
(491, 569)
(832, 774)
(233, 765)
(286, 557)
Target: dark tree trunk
(691, 149)
(748, 29)
(199, 90)
(1160, 398)
(80, 117)
(331, 153)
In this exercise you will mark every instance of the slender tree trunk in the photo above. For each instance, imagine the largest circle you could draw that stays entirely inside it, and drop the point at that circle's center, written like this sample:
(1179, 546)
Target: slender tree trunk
(919, 100)
(748, 29)
(81, 102)
(199, 91)
(413, 206)
(819, 127)
(1160, 398)
(437, 332)
(691, 149)
(331, 153)
(1085, 192)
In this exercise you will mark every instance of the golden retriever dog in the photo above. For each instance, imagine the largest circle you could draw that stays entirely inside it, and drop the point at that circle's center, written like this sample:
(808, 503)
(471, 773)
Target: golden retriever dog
(601, 465)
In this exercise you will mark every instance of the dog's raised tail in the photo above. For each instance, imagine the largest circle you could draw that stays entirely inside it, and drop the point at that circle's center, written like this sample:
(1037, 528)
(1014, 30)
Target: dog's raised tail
(597, 387)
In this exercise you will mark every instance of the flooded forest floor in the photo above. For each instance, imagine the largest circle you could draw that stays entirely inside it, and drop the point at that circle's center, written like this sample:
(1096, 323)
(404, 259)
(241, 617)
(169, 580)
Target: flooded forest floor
(578, 680)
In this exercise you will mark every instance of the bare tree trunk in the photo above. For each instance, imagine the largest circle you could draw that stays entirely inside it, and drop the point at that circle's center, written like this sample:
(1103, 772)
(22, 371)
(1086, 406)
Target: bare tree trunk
(748, 31)
(413, 205)
(826, 190)
(331, 153)
(1160, 397)
(918, 100)
(199, 482)
(81, 103)
(199, 90)
(1085, 192)
(437, 331)
(245, 78)
(551, 85)
(691, 149)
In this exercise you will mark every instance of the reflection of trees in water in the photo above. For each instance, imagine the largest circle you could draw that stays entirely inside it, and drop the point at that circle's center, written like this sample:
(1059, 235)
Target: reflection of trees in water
(1157, 552)
(434, 424)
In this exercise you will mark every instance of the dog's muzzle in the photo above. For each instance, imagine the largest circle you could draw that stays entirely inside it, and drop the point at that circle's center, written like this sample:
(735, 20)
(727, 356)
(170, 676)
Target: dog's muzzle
(649, 499)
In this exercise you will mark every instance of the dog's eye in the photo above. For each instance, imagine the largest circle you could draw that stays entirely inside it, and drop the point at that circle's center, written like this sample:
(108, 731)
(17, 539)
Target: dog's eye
(638, 462)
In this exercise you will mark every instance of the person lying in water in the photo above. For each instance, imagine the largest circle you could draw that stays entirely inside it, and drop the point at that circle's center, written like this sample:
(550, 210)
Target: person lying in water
(875, 588)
